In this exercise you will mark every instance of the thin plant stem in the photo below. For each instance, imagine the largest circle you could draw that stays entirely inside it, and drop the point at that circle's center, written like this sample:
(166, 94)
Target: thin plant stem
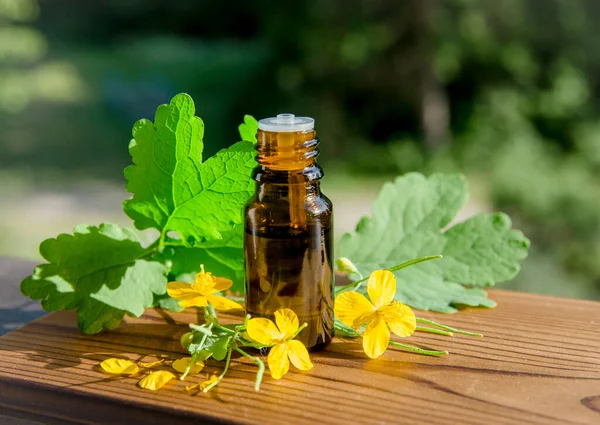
(345, 329)
(448, 328)
(202, 329)
(418, 350)
(299, 330)
(259, 363)
(433, 331)
(224, 329)
(196, 354)
(356, 285)
(222, 375)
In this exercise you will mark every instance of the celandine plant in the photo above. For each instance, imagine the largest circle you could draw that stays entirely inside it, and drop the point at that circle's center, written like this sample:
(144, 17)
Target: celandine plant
(378, 315)
(104, 272)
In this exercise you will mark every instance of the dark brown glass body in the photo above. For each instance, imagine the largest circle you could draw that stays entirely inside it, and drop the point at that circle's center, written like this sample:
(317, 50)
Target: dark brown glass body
(289, 237)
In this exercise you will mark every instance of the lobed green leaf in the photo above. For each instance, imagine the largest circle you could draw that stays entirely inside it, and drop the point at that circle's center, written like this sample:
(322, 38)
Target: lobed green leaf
(99, 271)
(409, 218)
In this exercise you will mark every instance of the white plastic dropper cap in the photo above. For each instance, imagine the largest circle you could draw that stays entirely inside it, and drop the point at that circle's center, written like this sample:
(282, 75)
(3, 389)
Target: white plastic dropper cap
(287, 123)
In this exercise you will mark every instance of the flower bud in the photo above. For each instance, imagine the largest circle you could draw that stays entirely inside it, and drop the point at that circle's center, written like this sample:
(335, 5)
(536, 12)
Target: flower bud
(344, 265)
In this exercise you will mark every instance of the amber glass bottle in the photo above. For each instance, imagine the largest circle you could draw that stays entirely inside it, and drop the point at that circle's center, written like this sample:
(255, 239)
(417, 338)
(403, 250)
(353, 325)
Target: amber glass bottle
(288, 230)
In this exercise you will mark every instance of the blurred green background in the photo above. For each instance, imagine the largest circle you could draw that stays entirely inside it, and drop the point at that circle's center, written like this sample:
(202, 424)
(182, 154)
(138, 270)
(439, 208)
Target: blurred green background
(504, 91)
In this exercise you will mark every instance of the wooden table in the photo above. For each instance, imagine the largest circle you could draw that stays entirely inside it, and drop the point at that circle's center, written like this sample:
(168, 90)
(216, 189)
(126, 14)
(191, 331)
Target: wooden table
(539, 363)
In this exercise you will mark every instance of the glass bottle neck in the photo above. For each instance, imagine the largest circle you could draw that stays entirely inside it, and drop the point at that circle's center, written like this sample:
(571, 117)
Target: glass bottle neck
(266, 190)
(287, 159)
(286, 151)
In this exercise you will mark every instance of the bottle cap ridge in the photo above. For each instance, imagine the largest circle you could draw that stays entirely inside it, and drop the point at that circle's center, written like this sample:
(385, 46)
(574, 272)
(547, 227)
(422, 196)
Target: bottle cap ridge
(286, 123)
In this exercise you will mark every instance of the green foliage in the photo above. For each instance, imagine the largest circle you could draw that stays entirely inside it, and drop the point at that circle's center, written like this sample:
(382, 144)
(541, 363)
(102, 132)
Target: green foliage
(213, 343)
(409, 216)
(103, 272)
(173, 190)
(248, 129)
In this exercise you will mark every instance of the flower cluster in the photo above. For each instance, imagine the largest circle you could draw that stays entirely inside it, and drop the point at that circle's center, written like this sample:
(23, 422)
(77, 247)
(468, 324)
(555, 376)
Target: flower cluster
(373, 319)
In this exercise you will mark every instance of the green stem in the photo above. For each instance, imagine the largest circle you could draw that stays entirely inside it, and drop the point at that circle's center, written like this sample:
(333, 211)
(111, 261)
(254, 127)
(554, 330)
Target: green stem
(222, 375)
(433, 331)
(391, 269)
(224, 329)
(299, 330)
(172, 243)
(202, 329)
(418, 350)
(259, 363)
(245, 343)
(195, 356)
(211, 315)
(161, 241)
(210, 311)
(415, 261)
(448, 328)
(150, 250)
(346, 330)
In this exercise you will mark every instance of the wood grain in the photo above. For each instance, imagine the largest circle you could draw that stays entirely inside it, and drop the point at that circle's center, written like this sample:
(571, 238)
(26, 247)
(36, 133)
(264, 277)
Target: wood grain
(539, 363)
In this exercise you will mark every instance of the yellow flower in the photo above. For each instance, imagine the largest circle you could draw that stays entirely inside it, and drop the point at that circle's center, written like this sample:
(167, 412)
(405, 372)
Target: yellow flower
(382, 314)
(285, 349)
(119, 367)
(182, 364)
(156, 380)
(201, 292)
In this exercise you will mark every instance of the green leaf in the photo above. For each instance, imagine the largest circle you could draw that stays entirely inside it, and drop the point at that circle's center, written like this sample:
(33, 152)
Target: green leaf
(173, 190)
(248, 129)
(100, 271)
(218, 346)
(409, 216)
(215, 345)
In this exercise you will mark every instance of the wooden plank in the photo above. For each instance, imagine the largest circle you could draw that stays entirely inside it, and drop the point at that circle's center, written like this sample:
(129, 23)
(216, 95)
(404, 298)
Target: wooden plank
(539, 363)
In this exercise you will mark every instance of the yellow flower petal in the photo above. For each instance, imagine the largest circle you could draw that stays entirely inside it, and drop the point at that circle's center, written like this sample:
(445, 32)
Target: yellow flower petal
(247, 337)
(198, 301)
(119, 367)
(152, 364)
(193, 387)
(353, 309)
(181, 365)
(376, 338)
(204, 386)
(298, 355)
(287, 322)
(156, 380)
(263, 331)
(278, 360)
(187, 295)
(381, 287)
(222, 303)
(399, 317)
(179, 290)
(222, 284)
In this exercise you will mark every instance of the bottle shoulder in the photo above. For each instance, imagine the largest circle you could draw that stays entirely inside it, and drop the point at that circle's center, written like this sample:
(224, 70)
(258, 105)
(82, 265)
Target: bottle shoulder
(315, 208)
(314, 203)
